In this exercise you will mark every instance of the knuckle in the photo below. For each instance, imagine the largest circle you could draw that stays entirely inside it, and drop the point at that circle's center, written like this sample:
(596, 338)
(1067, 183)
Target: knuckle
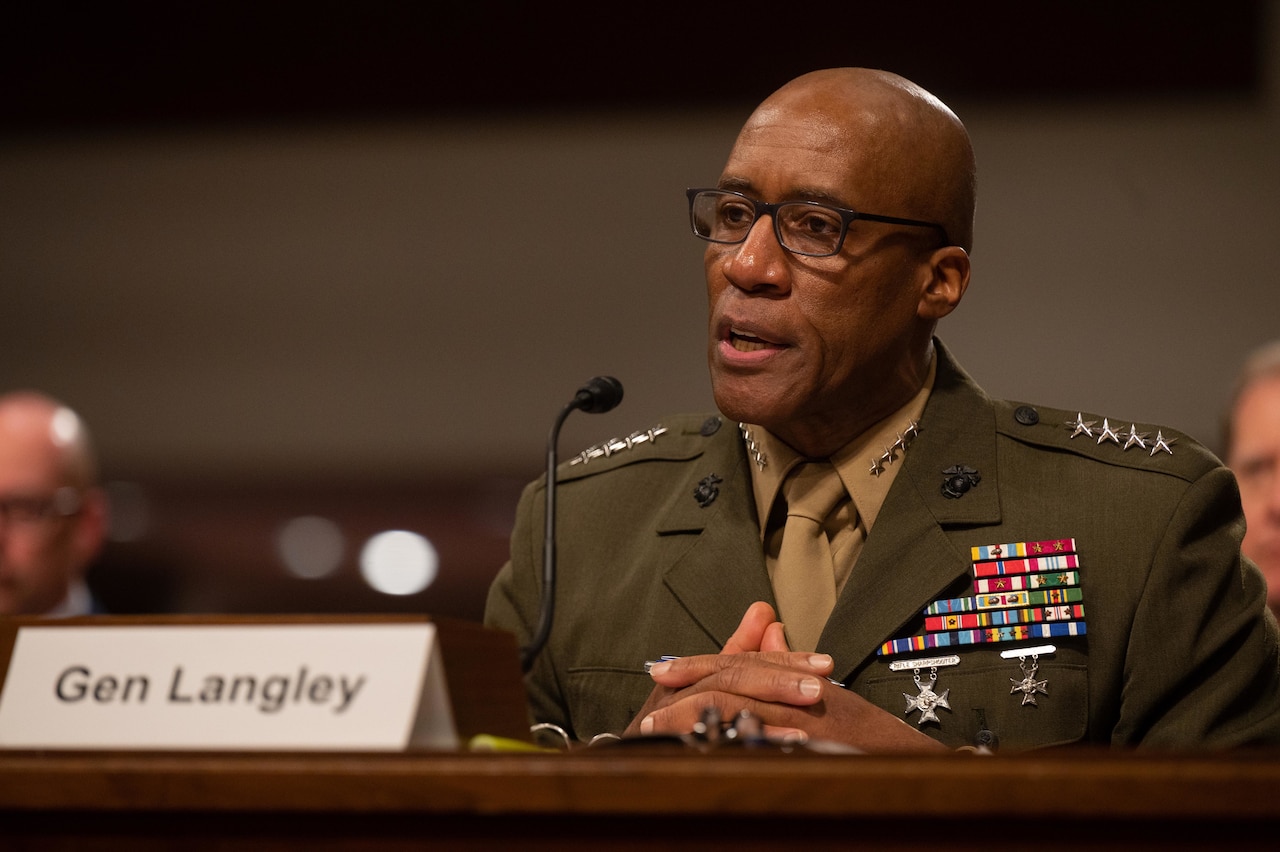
(733, 676)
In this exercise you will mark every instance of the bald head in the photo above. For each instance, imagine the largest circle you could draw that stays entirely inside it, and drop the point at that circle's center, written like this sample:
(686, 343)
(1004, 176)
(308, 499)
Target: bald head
(814, 347)
(34, 424)
(912, 152)
(55, 517)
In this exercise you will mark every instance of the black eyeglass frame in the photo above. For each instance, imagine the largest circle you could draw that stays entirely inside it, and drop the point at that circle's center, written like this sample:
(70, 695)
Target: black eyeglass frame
(762, 208)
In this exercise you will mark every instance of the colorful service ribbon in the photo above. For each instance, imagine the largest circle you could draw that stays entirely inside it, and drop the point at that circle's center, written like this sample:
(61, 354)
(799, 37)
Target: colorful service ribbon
(1003, 617)
(976, 637)
(1022, 548)
(1021, 590)
(1061, 595)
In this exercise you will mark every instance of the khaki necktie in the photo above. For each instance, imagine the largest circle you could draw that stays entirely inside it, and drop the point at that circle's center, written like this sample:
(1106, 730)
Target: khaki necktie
(804, 581)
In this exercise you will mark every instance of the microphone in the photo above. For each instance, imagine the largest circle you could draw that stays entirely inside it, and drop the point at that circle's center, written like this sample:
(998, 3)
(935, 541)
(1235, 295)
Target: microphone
(601, 394)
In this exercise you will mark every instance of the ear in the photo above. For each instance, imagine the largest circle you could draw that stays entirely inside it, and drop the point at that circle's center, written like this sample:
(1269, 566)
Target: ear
(948, 279)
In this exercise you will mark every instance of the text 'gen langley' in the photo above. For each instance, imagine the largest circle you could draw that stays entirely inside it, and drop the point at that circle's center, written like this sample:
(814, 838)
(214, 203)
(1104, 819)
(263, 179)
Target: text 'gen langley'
(269, 694)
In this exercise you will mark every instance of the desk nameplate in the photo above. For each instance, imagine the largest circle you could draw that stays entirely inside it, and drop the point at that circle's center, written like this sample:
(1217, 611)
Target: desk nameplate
(367, 687)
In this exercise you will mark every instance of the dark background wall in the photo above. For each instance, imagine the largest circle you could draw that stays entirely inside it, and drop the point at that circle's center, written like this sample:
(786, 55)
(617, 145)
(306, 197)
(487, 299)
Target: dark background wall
(348, 260)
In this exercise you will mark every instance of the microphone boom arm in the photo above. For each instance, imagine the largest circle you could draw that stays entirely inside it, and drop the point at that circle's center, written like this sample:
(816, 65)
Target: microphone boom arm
(601, 394)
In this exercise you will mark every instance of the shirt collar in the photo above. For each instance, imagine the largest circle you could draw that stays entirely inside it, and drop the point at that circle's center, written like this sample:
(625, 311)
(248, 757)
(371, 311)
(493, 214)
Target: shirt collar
(854, 461)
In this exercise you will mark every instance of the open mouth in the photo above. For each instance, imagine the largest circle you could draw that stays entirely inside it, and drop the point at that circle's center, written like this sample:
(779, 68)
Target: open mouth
(744, 341)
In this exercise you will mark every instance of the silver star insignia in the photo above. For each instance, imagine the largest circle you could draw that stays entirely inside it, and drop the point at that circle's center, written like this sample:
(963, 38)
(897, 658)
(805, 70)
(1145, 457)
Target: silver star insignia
(890, 454)
(1161, 444)
(1108, 433)
(1135, 437)
(1081, 426)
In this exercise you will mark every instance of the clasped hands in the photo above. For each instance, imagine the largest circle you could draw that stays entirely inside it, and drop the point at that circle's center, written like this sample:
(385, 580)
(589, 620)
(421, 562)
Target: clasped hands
(788, 691)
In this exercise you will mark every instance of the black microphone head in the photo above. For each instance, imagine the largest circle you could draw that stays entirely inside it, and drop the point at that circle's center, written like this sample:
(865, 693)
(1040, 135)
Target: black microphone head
(601, 394)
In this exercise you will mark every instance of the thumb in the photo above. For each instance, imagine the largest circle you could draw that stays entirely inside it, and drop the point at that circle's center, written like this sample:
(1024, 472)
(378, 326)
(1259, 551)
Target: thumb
(751, 631)
(775, 638)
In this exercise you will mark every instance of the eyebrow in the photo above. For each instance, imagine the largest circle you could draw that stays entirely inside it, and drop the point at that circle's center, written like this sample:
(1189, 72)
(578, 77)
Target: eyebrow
(817, 195)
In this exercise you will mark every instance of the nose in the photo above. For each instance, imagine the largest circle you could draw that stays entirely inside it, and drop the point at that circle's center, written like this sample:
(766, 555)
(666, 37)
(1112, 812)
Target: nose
(758, 264)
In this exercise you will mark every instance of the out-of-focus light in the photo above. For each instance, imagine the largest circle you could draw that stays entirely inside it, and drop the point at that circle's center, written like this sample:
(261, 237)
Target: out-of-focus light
(310, 547)
(398, 562)
(65, 427)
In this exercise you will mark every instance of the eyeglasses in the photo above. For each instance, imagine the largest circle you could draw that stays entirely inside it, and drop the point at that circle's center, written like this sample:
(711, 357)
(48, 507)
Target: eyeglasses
(802, 227)
(29, 510)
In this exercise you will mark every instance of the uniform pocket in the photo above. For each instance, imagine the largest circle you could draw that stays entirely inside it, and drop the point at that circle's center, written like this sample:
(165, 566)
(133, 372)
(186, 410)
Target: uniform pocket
(989, 699)
(604, 700)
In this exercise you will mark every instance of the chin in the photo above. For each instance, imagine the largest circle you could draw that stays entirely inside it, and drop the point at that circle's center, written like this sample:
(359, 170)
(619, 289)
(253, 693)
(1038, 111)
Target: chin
(731, 405)
(738, 402)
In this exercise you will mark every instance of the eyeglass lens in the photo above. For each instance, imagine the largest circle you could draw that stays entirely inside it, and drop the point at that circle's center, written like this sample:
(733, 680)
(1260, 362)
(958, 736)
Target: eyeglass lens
(802, 227)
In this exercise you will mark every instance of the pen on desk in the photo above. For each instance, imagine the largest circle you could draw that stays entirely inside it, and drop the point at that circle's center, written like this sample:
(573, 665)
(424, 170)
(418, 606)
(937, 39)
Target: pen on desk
(649, 664)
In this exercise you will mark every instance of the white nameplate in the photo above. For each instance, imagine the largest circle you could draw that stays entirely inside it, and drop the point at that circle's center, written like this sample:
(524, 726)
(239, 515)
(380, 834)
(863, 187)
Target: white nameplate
(227, 687)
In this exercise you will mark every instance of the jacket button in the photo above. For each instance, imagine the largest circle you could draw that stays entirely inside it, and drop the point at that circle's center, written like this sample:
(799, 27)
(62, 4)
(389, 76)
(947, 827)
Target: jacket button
(709, 427)
(1026, 415)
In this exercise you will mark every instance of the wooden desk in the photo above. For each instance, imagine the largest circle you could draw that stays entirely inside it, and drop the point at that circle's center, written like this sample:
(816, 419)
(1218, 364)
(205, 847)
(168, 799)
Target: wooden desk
(636, 798)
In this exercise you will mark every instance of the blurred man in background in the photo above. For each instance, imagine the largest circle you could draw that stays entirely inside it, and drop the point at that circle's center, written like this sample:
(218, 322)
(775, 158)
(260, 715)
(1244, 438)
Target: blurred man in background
(53, 515)
(1252, 450)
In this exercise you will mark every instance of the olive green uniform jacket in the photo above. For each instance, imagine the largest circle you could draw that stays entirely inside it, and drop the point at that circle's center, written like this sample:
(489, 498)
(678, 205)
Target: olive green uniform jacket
(1179, 651)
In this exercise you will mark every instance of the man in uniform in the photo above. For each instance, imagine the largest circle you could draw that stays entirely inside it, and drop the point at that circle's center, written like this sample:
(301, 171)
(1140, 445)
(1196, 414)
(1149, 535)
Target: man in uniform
(986, 573)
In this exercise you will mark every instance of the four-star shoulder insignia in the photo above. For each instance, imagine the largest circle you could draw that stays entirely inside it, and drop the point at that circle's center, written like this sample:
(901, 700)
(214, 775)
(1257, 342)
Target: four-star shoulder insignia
(1108, 433)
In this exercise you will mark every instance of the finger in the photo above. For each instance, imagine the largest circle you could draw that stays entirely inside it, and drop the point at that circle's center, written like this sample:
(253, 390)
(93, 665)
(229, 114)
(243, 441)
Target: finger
(684, 714)
(681, 672)
(748, 676)
(656, 700)
(751, 630)
(775, 638)
(690, 710)
(785, 734)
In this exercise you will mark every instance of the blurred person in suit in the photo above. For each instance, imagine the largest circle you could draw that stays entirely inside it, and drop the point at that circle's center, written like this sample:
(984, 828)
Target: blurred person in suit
(1251, 441)
(53, 514)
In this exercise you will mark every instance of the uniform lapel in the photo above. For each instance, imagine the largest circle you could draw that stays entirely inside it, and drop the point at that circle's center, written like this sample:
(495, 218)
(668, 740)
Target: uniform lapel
(908, 560)
(721, 572)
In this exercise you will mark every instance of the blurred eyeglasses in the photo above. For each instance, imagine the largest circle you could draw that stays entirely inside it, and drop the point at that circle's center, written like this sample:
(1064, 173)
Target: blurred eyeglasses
(29, 510)
(802, 227)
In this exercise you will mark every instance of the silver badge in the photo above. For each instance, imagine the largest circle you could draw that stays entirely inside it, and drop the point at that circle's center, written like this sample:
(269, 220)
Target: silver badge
(928, 700)
(1029, 686)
